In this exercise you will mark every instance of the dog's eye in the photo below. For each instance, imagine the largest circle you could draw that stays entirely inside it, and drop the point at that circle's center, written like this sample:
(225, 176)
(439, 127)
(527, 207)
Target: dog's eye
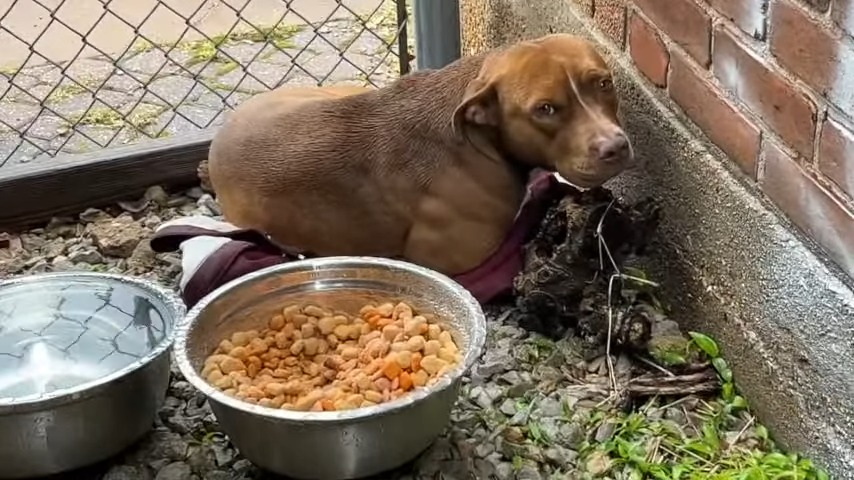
(606, 84)
(546, 109)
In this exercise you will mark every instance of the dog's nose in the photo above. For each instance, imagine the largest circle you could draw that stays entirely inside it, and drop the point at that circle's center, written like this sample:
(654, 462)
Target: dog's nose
(612, 147)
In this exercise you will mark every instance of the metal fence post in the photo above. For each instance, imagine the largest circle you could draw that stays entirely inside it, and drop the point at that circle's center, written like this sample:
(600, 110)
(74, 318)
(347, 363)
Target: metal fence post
(437, 33)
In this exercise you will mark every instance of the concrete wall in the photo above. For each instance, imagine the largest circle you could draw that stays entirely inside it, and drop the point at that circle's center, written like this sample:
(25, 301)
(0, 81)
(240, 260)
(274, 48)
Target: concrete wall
(757, 241)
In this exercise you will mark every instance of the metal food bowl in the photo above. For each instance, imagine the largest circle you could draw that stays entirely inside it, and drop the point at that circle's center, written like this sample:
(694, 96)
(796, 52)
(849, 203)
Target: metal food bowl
(344, 444)
(84, 367)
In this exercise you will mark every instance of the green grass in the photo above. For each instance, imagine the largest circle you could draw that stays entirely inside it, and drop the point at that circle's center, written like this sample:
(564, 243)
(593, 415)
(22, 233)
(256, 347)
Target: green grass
(10, 70)
(143, 116)
(207, 50)
(66, 92)
(728, 444)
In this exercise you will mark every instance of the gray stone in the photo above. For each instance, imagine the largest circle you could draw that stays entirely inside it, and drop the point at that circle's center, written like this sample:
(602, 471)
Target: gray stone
(156, 195)
(504, 471)
(560, 456)
(62, 263)
(571, 435)
(549, 407)
(202, 460)
(508, 407)
(604, 432)
(127, 472)
(119, 236)
(87, 255)
(175, 471)
(207, 202)
(529, 472)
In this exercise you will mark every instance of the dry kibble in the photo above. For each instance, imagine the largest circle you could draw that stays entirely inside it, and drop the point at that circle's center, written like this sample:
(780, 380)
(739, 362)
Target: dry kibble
(240, 353)
(391, 332)
(308, 330)
(432, 364)
(447, 355)
(413, 327)
(420, 378)
(226, 346)
(289, 312)
(342, 332)
(416, 344)
(241, 339)
(404, 358)
(277, 322)
(209, 368)
(326, 325)
(310, 346)
(231, 364)
(402, 311)
(432, 347)
(349, 353)
(315, 311)
(433, 331)
(297, 347)
(257, 346)
(309, 359)
(385, 309)
(299, 320)
(224, 383)
(213, 376)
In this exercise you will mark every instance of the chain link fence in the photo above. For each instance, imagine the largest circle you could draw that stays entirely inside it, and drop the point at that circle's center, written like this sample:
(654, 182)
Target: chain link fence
(81, 75)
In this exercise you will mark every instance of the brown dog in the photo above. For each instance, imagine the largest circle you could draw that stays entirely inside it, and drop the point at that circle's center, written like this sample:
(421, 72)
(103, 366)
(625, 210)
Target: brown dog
(431, 169)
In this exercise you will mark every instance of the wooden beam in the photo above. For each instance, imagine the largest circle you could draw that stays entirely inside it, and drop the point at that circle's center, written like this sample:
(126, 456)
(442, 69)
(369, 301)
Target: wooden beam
(32, 193)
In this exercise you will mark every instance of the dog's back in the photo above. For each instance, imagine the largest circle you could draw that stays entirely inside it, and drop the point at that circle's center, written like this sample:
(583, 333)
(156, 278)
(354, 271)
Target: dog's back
(355, 158)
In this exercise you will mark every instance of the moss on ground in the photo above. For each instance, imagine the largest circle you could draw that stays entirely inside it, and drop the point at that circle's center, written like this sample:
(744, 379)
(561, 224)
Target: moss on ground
(141, 117)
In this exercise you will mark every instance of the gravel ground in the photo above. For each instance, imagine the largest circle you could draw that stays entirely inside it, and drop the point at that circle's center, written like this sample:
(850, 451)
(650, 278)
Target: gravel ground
(532, 408)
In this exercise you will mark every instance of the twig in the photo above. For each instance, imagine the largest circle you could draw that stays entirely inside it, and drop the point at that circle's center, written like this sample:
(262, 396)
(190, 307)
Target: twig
(603, 247)
(654, 365)
(608, 360)
(670, 390)
(741, 432)
(674, 403)
(504, 315)
(675, 385)
(676, 379)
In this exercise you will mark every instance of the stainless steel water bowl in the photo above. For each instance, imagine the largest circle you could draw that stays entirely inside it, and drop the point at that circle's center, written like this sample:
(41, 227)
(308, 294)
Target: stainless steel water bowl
(84, 367)
(331, 445)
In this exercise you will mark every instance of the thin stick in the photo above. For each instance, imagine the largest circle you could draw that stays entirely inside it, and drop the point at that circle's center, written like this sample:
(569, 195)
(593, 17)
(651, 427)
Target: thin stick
(654, 365)
(740, 433)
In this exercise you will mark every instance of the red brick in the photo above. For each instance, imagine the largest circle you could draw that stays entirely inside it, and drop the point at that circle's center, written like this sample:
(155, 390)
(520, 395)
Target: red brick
(648, 51)
(836, 155)
(809, 206)
(684, 22)
(822, 59)
(610, 16)
(748, 15)
(843, 14)
(773, 98)
(725, 126)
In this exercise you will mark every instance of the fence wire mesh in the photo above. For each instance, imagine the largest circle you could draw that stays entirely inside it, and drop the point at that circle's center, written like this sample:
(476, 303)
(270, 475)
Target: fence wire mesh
(82, 75)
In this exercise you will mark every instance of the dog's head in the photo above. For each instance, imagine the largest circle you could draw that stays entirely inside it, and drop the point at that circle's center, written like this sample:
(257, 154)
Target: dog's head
(549, 103)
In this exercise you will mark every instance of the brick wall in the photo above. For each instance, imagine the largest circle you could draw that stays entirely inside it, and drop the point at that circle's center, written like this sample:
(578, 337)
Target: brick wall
(770, 82)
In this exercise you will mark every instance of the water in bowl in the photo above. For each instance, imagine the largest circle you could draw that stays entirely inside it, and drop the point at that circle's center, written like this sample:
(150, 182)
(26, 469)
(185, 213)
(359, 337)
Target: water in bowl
(59, 334)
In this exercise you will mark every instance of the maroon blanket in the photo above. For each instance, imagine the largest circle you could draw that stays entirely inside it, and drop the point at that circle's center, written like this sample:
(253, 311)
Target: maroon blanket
(214, 252)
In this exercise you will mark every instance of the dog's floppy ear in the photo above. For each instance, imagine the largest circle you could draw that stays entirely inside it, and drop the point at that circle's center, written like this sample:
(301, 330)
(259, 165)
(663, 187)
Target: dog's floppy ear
(479, 105)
